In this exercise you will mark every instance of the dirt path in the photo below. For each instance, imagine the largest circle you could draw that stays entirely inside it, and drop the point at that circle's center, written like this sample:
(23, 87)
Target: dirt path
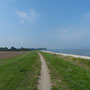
(44, 80)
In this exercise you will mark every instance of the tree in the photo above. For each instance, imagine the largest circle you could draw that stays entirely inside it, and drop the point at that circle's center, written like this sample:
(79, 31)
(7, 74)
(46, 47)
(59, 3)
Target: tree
(13, 49)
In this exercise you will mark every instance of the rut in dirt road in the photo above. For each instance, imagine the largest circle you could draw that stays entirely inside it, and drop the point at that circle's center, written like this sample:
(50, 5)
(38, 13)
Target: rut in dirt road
(44, 80)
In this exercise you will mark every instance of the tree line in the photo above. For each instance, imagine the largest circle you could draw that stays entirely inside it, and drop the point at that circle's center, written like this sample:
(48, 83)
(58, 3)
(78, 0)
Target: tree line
(20, 49)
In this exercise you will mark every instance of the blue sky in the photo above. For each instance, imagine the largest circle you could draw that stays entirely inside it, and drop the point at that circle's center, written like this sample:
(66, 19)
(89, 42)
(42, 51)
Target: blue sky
(55, 24)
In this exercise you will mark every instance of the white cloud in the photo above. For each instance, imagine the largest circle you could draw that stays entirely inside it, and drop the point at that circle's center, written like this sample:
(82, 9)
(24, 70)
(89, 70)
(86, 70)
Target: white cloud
(27, 16)
(69, 37)
(22, 21)
(22, 14)
(65, 30)
(70, 34)
(87, 16)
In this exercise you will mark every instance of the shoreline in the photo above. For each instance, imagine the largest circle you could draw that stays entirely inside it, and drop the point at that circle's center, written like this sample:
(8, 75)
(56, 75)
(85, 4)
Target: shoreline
(72, 55)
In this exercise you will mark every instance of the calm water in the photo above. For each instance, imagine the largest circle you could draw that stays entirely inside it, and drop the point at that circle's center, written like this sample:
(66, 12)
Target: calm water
(83, 52)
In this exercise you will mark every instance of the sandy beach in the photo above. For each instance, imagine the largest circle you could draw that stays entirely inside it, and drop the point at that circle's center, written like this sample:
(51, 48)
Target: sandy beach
(76, 56)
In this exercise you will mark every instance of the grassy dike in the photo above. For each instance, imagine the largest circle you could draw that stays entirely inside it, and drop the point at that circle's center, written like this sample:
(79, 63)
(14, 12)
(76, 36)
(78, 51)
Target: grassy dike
(20, 73)
(65, 75)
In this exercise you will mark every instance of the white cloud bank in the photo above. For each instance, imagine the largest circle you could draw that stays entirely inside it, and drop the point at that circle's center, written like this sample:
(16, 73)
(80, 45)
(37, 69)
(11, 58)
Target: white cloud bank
(27, 16)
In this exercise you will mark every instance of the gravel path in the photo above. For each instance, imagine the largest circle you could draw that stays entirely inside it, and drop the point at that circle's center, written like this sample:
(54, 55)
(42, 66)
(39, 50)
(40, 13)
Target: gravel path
(44, 80)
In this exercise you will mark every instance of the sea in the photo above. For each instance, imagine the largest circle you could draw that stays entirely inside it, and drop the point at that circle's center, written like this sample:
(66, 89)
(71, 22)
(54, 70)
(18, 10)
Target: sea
(82, 52)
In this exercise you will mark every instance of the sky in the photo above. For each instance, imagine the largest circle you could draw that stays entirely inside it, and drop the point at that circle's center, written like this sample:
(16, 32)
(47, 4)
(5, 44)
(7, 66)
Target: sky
(55, 24)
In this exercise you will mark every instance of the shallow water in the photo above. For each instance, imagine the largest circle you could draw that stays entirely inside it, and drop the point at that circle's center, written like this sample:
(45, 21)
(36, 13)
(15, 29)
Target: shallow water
(83, 52)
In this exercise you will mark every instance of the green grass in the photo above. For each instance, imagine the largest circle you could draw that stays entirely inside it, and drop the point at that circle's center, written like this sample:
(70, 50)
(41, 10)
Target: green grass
(66, 75)
(84, 63)
(20, 73)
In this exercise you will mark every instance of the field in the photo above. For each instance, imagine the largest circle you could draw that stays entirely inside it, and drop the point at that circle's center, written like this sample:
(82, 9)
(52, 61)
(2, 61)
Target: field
(19, 72)
(68, 73)
(9, 54)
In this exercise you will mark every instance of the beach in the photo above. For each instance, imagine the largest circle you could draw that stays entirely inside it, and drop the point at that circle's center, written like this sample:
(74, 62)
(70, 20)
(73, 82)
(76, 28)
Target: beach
(72, 55)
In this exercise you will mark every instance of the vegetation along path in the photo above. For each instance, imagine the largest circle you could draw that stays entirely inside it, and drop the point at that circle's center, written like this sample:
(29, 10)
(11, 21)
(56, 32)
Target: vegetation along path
(44, 80)
(20, 72)
(67, 74)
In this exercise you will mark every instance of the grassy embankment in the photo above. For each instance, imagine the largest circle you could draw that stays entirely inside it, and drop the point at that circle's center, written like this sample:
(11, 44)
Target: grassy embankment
(20, 73)
(66, 75)
(85, 63)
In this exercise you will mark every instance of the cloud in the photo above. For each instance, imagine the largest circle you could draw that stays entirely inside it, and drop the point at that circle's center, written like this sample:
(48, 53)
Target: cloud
(86, 16)
(27, 16)
(68, 37)
(22, 21)
(70, 34)
(65, 30)
(22, 14)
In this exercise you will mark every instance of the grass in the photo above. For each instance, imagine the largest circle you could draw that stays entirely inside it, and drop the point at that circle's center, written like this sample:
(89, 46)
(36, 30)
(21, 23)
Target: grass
(67, 76)
(85, 63)
(20, 73)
